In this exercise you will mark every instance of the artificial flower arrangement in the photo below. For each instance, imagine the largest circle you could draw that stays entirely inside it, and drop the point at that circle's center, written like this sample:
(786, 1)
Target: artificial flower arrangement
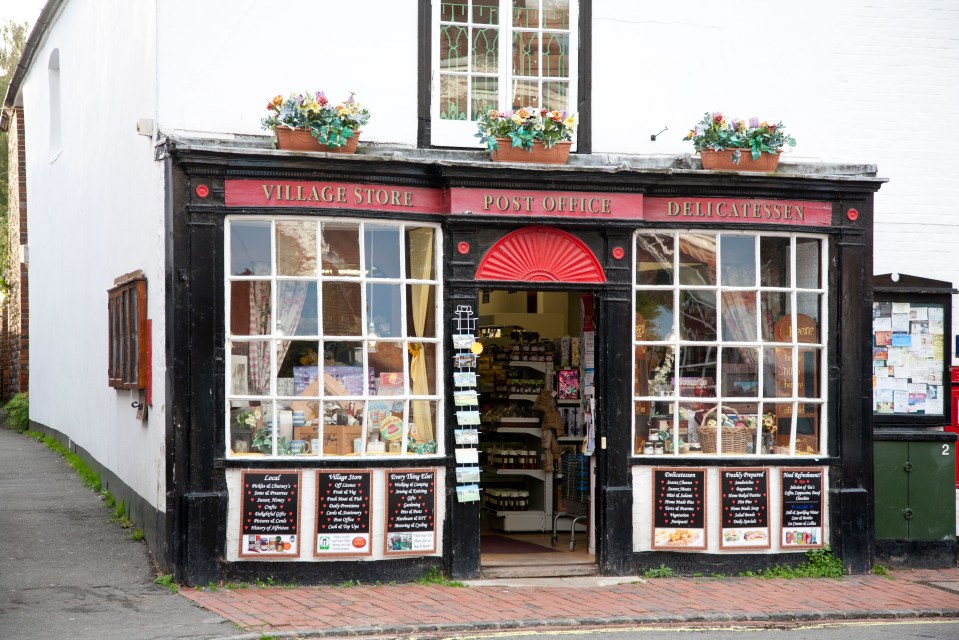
(659, 380)
(719, 133)
(525, 126)
(332, 125)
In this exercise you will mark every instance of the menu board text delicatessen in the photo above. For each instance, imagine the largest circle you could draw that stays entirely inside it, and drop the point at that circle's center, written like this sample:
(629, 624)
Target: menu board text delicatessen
(343, 506)
(410, 511)
(679, 514)
(270, 514)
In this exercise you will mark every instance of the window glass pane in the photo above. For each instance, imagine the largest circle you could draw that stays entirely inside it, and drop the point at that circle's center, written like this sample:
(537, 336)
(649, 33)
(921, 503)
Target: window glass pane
(250, 248)
(250, 308)
(740, 372)
(422, 367)
(453, 97)
(555, 14)
(486, 50)
(654, 259)
(739, 316)
(383, 310)
(525, 93)
(697, 371)
(775, 305)
(526, 14)
(454, 48)
(525, 54)
(809, 366)
(382, 246)
(654, 315)
(778, 370)
(296, 248)
(808, 306)
(697, 315)
(455, 11)
(340, 249)
(296, 309)
(421, 438)
(556, 96)
(420, 253)
(774, 256)
(386, 368)
(250, 368)
(555, 54)
(485, 95)
(342, 370)
(738, 261)
(342, 311)
(654, 375)
(421, 311)
(485, 11)
(807, 419)
(808, 263)
(297, 368)
(697, 259)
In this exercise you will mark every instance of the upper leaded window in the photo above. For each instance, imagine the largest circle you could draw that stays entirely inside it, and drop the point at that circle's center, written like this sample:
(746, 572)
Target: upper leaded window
(503, 55)
(332, 337)
(729, 343)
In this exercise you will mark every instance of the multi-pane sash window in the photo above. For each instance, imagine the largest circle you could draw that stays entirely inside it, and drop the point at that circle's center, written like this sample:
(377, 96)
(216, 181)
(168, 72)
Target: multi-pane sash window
(503, 55)
(729, 349)
(333, 338)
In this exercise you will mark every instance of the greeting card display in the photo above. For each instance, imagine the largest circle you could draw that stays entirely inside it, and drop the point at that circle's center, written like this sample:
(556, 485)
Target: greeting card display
(410, 511)
(744, 508)
(270, 514)
(802, 507)
(343, 506)
(567, 384)
(679, 514)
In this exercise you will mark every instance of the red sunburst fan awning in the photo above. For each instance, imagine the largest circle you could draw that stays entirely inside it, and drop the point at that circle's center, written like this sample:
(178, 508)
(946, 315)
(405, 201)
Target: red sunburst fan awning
(540, 254)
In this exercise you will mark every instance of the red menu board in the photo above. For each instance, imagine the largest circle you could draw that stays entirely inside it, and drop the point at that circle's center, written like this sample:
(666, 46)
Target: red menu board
(802, 510)
(745, 508)
(343, 507)
(679, 515)
(270, 514)
(410, 511)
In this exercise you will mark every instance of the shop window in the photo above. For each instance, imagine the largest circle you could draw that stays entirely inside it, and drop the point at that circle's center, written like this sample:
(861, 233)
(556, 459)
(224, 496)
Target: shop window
(333, 338)
(503, 55)
(128, 353)
(729, 344)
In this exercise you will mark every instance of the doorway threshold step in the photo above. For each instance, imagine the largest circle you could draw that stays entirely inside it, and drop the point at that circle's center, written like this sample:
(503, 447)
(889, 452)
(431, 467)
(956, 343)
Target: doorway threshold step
(539, 571)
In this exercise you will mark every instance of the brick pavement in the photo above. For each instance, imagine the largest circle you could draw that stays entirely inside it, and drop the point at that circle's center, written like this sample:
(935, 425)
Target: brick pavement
(414, 608)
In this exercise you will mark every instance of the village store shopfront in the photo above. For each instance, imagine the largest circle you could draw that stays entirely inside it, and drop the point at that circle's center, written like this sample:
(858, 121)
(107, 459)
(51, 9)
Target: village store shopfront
(327, 382)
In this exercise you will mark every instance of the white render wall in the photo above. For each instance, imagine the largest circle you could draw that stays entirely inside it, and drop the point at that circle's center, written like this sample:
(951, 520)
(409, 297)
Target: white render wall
(95, 213)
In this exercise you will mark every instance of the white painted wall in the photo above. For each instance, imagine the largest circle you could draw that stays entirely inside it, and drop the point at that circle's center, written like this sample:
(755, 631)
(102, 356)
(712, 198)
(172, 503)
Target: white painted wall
(95, 213)
(221, 62)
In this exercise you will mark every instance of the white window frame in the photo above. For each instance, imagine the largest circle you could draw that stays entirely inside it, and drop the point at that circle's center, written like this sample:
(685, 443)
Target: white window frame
(273, 397)
(675, 399)
(461, 133)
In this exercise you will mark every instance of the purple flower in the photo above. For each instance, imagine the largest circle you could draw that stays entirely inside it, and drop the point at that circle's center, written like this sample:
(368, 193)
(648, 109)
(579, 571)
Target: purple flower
(299, 99)
(754, 123)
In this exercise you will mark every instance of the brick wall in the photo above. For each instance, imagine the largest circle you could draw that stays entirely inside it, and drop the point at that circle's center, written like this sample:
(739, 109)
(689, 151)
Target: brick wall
(15, 345)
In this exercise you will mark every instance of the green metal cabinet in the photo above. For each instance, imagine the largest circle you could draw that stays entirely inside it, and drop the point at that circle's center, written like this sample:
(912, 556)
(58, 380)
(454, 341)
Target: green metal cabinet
(915, 491)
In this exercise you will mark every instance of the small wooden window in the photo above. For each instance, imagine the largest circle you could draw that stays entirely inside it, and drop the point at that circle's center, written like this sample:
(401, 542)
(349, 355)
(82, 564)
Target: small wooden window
(128, 361)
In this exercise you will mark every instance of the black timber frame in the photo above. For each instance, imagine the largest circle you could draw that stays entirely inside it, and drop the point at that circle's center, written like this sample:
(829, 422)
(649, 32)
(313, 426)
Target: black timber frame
(196, 341)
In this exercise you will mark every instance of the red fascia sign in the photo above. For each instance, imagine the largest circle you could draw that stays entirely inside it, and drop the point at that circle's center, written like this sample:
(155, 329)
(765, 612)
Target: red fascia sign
(508, 202)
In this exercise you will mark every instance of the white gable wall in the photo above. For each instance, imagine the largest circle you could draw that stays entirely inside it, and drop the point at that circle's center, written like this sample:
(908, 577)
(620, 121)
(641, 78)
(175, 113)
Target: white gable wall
(95, 213)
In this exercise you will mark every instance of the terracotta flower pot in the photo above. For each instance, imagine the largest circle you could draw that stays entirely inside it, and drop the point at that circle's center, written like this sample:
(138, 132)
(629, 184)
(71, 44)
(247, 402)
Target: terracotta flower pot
(301, 140)
(722, 160)
(557, 154)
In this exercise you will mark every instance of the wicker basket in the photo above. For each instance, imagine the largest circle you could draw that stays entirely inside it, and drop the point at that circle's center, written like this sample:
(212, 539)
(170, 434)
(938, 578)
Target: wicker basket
(735, 439)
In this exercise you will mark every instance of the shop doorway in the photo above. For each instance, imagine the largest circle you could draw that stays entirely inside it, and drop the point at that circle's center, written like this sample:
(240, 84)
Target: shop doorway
(536, 385)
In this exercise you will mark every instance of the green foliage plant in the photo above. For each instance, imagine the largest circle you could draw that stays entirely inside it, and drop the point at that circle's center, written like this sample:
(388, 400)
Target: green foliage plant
(18, 411)
(166, 580)
(434, 575)
(716, 131)
(332, 125)
(661, 572)
(525, 126)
